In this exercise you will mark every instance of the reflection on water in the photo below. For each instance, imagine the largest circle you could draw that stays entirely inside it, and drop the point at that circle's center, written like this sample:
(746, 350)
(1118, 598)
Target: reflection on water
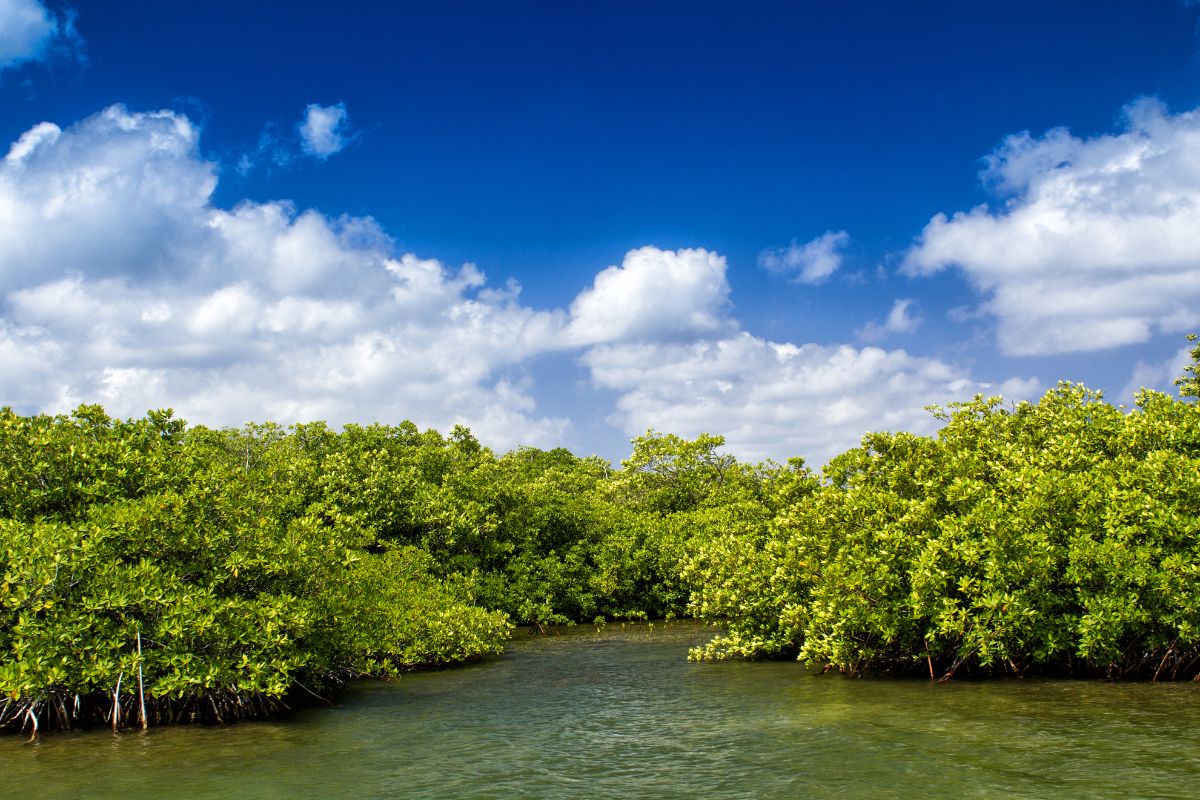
(621, 713)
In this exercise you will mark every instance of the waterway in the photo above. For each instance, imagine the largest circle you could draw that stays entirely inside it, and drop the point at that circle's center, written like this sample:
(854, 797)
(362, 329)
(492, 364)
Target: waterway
(622, 713)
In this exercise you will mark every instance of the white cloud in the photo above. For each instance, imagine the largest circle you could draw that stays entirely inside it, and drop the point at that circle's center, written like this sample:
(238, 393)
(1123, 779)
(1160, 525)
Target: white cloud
(898, 321)
(778, 400)
(323, 130)
(117, 194)
(31, 32)
(811, 262)
(26, 29)
(29, 141)
(1099, 243)
(654, 294)
(122, 282)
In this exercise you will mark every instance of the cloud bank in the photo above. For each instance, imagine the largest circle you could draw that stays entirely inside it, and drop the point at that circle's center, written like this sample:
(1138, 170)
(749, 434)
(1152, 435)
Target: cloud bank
(1098, 242)
(773, 399)
(121, 282)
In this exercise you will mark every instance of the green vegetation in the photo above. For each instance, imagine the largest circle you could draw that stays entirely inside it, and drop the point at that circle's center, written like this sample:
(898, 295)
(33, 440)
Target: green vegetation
(1061, 537)
(154, 572)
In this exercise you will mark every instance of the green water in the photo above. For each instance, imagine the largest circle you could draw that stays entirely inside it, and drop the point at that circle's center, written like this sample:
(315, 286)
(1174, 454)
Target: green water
(622, 714)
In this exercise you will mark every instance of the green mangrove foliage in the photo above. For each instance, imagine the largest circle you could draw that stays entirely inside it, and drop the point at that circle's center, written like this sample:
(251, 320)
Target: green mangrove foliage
(543, 536)
(155, 572)
(1058, 536)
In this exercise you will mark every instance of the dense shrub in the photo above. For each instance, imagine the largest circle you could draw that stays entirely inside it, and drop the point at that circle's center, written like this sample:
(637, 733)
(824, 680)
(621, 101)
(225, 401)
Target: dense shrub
(1057, 536)
(154, 572)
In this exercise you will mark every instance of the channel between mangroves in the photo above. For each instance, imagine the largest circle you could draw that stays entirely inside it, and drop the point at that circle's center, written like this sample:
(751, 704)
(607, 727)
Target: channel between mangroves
(620, 711)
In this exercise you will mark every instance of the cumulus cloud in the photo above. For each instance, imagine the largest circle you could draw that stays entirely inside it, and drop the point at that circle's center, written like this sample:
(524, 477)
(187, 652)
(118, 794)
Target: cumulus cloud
(122, 282)
(898, 321)
(657, 330)
(654, 294)
(323, 130)
(115, 195)
(811, 262)
(774, 399)
(28, 32)
(1098, 242)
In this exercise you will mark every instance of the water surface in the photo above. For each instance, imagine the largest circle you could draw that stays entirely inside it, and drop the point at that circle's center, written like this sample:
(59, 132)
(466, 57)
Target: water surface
(622, 713)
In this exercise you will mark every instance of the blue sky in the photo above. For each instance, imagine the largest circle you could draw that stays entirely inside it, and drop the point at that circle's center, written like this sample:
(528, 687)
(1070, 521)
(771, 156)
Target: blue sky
(566, 223)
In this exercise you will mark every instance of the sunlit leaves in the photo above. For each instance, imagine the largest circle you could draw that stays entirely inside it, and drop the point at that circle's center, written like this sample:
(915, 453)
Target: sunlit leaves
(221, 551)
(1062, 535)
